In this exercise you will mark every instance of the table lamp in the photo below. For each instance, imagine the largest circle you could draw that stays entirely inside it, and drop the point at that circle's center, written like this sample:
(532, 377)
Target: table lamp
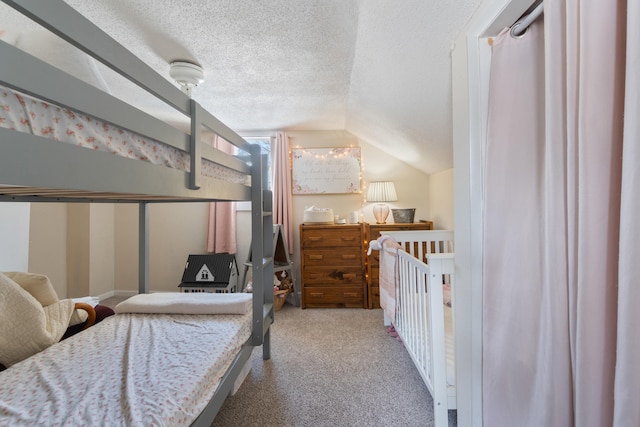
(381, 191)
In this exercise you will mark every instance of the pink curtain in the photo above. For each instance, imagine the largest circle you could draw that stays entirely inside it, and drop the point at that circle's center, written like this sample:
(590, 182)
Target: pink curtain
(221, 224)
(282, 203)
(561, 270)
(627, 385)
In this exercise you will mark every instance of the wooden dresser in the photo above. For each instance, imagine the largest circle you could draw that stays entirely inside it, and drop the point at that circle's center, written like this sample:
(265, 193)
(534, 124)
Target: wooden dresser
(372, 232)
(332, 265)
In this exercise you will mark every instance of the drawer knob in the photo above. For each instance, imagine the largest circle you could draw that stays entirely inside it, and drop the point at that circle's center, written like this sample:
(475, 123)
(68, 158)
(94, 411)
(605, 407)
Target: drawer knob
(316, 256)
(351, 294)
(316, 294)
(348, 256)
(315, 238)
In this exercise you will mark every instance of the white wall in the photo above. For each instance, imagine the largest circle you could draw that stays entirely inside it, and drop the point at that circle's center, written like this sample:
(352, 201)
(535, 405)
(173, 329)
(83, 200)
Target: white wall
(14, 236)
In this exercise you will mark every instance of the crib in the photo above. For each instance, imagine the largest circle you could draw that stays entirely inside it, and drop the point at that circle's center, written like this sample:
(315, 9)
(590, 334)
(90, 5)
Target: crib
(421, 267)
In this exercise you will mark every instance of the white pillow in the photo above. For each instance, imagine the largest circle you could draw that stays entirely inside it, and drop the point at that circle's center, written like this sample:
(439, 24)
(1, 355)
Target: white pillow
(26, 327)
(38, 285)
(22, 316)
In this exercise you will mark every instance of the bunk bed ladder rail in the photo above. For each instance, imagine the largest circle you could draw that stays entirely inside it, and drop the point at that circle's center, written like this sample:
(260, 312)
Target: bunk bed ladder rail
(262, 252)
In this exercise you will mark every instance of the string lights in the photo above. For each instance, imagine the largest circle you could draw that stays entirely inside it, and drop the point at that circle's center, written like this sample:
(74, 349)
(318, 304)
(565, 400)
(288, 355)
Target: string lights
(337, 153)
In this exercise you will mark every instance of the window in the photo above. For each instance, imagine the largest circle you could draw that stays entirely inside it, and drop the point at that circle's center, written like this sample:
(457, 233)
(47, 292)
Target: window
(265, 144)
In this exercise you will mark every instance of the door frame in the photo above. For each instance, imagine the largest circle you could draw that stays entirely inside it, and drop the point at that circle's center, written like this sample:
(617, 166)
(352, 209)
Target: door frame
(471, 58)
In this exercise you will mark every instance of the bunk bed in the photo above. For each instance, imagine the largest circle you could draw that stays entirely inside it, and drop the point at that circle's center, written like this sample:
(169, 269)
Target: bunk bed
(417, 273)
(43, 166)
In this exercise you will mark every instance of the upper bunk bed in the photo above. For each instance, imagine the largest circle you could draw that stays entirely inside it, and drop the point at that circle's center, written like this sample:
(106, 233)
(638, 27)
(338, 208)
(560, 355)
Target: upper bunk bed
(42, 106)
(62, 139)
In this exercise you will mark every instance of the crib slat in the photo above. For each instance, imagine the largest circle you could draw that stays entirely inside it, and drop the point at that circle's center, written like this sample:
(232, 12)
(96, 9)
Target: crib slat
(420, 322)
(436, 323)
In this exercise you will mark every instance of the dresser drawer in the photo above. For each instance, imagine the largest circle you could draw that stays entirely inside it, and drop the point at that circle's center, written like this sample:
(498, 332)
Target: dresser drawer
(331, 276)
(334, 236)
(334, 257)
(332, 266)
(375, 296)
(374, 278)
(348, 296)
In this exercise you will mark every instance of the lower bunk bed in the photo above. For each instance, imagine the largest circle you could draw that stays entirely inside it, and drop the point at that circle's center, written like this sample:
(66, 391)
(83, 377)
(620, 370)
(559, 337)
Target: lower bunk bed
(417, 273)
(153, 363)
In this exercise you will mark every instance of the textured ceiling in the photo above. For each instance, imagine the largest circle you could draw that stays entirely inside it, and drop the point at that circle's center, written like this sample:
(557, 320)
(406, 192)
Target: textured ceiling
(380, 69)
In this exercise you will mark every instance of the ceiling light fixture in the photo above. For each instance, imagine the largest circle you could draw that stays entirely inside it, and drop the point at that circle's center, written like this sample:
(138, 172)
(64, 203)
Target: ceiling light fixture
(187, 74)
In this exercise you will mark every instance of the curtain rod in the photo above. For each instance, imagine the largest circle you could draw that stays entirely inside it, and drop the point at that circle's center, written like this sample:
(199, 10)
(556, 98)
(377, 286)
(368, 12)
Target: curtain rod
(519, 28)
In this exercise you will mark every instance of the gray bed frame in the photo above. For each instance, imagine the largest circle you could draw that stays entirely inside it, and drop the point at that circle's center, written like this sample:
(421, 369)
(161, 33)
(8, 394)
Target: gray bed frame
(33, 169)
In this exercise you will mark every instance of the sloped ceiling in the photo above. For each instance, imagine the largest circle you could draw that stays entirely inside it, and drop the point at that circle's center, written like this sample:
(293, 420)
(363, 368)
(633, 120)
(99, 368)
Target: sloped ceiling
(380, 69)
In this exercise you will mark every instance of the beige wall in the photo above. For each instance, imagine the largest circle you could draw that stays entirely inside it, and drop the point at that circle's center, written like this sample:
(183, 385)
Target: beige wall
(101, 249)
(441, 200)
(78, 249)
(110, 260)
(175, 231)
(47, 243)
(73, 245)
(412, 186)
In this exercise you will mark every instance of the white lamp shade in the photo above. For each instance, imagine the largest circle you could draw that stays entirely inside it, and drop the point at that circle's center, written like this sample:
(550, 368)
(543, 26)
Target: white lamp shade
(381, 191)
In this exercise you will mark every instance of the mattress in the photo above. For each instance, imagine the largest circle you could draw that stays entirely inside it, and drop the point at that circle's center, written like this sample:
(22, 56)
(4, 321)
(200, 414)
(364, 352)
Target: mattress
(131, 369)
(24, 113)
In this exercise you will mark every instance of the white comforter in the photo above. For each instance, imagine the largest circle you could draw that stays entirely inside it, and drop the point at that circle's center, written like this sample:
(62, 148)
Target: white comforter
(130, 369)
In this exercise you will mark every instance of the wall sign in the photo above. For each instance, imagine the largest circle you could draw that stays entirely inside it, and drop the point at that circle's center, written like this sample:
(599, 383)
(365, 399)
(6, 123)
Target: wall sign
(326, 170)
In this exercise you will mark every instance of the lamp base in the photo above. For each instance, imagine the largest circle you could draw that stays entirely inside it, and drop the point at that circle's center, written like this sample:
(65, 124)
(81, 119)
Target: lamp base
(380, 213)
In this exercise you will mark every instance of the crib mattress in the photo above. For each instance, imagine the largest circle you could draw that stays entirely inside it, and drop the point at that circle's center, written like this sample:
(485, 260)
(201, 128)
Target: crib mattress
(24, 113)
(131, 369)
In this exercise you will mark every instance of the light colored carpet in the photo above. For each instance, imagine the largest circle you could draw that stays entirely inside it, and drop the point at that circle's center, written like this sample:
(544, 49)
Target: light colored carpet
(329, 367)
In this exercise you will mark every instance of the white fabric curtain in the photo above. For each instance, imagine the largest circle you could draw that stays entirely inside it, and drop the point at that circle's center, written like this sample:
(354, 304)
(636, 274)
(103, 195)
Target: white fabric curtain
(627, 379)
(282, 203)
(561, 259)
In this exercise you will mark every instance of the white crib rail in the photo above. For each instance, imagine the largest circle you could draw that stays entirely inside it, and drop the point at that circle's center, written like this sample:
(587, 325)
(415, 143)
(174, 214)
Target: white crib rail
(422, 243)
(420, 322)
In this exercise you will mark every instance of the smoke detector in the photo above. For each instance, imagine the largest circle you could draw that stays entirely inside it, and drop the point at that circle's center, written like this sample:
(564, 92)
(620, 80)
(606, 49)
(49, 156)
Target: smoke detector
(187, 74)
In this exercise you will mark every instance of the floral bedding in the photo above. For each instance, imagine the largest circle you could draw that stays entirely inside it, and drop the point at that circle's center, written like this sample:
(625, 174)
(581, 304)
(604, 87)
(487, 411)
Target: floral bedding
(131, 369)
(23, 113)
